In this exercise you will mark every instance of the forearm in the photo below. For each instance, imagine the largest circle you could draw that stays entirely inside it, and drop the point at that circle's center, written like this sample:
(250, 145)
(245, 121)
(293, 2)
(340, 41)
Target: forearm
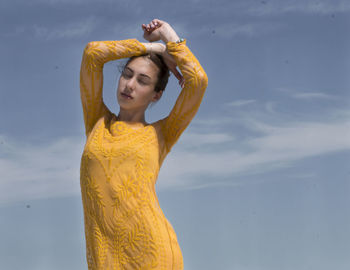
(99, 52)
(154, 47)
(188, 64)
(168, 34)
(189, 100)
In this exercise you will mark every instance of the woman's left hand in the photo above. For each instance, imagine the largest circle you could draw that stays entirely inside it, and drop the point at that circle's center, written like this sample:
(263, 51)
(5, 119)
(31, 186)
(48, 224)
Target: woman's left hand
(160, 30)
(149, 33)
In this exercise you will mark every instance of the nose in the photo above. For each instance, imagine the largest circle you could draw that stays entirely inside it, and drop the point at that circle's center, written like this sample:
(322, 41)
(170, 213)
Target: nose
(131, 83)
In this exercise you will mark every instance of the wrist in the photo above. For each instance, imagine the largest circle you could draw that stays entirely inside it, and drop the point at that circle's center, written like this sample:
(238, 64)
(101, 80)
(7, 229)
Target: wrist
(168, 35)
(154, 47)
(158, 48)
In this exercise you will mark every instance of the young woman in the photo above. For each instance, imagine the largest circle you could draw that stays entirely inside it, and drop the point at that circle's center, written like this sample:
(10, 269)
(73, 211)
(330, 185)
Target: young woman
(124, 226)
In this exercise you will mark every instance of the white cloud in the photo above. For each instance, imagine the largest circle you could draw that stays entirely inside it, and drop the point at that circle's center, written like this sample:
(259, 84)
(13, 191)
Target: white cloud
(275, 147)
(270, 106)
(52, 169)
(307, 95)
(200, 139)
(275, 7)
(239, 103)
(57, 2)
(39, 171)
(66, 31)
(311, 95)
(233, 29)
(264, 9)
(213, 122)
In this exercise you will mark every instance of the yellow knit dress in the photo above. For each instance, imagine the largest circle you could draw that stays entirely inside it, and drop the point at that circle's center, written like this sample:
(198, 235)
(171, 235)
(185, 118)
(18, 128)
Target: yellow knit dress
(124, 226)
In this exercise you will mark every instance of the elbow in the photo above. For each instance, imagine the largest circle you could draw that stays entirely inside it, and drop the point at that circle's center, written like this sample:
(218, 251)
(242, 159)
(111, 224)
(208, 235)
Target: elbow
(199, 81)
(89, 48)
(203, 79)
(92, 55)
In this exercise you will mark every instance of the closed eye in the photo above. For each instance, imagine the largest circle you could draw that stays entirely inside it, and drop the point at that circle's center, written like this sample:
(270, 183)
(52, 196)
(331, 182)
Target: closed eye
(143, 81)
(126, 74)
(142, 78)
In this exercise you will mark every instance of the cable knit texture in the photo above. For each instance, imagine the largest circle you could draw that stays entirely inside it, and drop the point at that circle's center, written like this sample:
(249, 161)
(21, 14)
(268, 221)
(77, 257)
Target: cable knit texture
(124, 226)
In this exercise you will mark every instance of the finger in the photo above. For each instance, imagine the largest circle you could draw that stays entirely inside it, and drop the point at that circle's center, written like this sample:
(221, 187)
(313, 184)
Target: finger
(152, 27)
(155, 22)
(177, 74)
(158, 22)
(144, 29)
(182, 82)
(150, 30)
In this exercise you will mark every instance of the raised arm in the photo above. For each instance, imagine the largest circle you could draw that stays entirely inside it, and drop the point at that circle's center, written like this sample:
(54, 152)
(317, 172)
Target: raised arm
(195, 78)
(191, 95)
(95, 55)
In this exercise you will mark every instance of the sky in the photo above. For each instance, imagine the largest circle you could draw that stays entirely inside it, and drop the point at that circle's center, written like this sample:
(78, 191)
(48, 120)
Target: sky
(260, 180)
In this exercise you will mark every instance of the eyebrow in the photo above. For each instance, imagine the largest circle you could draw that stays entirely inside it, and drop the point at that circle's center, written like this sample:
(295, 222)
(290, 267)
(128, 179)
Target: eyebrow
(141, 74)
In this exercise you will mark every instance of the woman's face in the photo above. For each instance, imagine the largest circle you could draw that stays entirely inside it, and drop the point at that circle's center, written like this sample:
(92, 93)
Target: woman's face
(136, 84)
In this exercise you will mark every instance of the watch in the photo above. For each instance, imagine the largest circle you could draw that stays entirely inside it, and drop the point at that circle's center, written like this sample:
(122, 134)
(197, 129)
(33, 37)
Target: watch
(180, 40)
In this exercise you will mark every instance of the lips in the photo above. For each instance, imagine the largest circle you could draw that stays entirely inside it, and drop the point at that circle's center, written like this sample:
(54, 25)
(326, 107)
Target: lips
(126, 95)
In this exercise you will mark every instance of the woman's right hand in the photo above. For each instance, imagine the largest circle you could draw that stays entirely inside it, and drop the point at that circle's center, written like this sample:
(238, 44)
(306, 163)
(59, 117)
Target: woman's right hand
(171, 64)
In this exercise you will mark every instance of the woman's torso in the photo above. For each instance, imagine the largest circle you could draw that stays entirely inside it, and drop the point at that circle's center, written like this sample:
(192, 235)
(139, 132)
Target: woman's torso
(124, 225)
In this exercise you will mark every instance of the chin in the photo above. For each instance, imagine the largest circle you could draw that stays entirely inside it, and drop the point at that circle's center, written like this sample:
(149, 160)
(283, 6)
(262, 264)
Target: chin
(124, 105)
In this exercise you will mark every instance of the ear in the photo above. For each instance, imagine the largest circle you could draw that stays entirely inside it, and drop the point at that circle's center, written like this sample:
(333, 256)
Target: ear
(157, 96)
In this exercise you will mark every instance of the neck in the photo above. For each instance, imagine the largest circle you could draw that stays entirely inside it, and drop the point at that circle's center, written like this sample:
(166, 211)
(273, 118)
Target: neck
(131, 116)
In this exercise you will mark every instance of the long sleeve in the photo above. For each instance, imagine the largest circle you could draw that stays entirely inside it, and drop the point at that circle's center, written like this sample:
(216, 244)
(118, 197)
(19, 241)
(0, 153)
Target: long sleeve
(191, 95)
(95, 55)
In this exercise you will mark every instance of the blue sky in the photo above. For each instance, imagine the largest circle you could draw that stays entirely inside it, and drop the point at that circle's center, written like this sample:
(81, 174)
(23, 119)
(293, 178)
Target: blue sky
(259, 181)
